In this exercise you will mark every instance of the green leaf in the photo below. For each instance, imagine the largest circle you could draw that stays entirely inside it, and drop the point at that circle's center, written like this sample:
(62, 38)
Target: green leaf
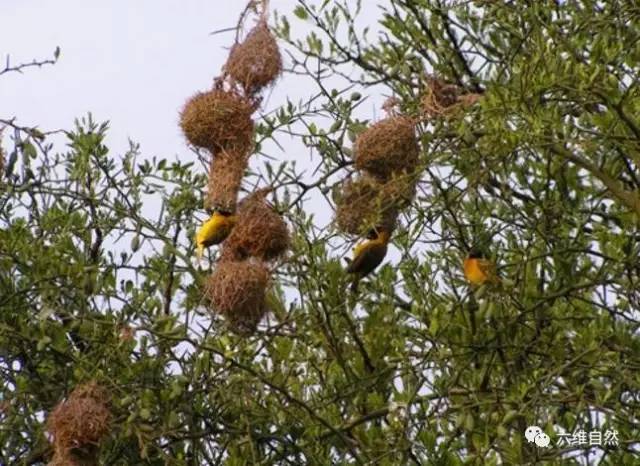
(301, 12)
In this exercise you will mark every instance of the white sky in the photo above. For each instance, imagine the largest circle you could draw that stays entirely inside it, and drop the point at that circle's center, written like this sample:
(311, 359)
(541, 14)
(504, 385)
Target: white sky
(131, 62)
(134, 63)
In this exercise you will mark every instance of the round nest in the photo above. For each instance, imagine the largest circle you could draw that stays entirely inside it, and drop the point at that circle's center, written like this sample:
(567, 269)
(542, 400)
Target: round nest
(86, 456)
(82, 419)
(365, 203)
(256, 62)
(388, 146)
(236, 289)
(442, 99)
(219, 121)
(400, 190)
(225, 178)
(260, 232)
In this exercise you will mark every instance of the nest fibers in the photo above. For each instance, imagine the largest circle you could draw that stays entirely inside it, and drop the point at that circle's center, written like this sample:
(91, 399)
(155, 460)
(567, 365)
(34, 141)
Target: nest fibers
(237, 290)
(218, 120)
(225, 178)
(260, 232)
(80, 421)
(256, 62)
(388, 146)
(442, 99)
(85, 456)
(365, 203)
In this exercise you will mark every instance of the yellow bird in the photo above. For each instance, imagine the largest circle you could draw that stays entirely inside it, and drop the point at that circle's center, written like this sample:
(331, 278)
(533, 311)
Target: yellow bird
(479, 270)
(368, 255)
(214, 231)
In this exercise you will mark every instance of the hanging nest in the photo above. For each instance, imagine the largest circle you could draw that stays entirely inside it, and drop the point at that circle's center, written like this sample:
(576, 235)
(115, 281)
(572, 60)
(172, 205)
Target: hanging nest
(260, 232)
(400, 190)
(256, 62)
(442, 99)
(82, 420)
(218, 120)
(85, 456)
(236, 290)
(365, 203)
(388, 146)
(225, 178)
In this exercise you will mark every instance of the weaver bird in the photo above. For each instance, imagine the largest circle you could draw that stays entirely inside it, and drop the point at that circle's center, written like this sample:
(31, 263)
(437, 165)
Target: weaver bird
(368, 255)
(214, 231)
(478, 269)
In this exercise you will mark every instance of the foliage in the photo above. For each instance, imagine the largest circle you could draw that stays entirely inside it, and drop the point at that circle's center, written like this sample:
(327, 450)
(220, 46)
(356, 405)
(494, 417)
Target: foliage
(98, 283)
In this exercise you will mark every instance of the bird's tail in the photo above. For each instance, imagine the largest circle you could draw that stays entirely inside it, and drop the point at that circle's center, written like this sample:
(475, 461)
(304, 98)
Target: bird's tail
(199, 252)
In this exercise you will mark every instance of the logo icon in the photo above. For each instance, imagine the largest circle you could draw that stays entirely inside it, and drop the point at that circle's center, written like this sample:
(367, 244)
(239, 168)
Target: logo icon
(534, 434)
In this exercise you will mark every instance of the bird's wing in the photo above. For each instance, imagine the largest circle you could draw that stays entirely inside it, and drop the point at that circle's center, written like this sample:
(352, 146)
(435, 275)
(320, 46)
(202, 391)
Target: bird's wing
(488, 268)
(356, 263)
(368, 259)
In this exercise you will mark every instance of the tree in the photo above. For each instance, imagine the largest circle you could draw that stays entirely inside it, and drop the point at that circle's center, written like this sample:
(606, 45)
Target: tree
(528, 147)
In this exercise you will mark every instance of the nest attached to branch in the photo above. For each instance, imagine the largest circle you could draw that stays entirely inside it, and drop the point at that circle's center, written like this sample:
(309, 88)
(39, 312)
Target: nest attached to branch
(260, 232)
(225, 178)
(442, 99)
(237, 290)
(256, 62)
(388, 146)
(85, 456)
(218, 120)
(81, 421)
(365, 203)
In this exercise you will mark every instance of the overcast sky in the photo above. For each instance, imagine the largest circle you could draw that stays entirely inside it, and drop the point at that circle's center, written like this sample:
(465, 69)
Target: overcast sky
(135, 63)
(131, 62)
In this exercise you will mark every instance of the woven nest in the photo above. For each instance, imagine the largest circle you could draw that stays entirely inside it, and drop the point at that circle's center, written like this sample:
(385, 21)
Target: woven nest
(400, 190)
(256, 62)
(236, 289)
(388, 146)
(225, 178)
(86, 456)
(365, 203)
(260, 232)
(219, 121)
(442, 99)
(81, 420)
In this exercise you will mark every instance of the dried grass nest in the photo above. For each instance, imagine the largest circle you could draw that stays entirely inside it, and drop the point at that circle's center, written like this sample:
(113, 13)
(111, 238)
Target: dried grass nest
(225, 179)
(256, 62)
(364, 203)
(388, 146)
(218, 120)
(85, 456)
(80, 421)
(260, 232)
(237, 290)
(442, 99)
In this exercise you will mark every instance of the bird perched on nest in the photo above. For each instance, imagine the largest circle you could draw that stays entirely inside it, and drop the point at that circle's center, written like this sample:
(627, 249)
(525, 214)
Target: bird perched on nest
(478, 269)
(368, 255)
(214, 231)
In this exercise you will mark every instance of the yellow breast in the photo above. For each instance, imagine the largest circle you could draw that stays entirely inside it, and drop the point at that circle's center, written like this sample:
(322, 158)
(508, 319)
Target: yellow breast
(473, 271)
(215, 230)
